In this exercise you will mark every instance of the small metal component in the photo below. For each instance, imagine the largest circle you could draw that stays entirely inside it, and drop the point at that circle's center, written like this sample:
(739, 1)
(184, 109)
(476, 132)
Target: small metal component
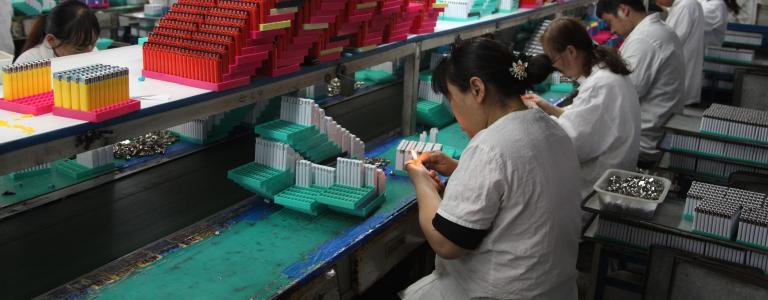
(334, 87)
(378, 162)
(330, 274)
(636, 186)
(149, 144)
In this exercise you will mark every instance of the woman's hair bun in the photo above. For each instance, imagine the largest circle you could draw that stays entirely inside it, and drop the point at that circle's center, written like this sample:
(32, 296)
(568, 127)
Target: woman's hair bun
(539, 68)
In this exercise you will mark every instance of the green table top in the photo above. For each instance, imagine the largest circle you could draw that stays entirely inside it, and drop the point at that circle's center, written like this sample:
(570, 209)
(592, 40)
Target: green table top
(265, 249)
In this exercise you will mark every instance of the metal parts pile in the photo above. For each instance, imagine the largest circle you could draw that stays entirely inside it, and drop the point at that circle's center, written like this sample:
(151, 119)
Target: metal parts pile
(378, 162)
(636, 186)
(334, 87)
(149, 144)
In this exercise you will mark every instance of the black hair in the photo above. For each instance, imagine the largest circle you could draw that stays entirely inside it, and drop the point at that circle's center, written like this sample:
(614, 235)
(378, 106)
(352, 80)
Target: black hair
(612, 6)
(569, 31)
(492, 62)
(72, 22)
(733, 6)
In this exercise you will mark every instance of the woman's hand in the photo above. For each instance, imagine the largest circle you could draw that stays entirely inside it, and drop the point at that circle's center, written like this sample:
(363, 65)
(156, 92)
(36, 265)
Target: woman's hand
(534, 101)
(438, 161)
(421, 176)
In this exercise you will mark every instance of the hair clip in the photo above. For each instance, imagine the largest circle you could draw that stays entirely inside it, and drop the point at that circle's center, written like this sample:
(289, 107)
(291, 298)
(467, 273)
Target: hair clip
(518, 70)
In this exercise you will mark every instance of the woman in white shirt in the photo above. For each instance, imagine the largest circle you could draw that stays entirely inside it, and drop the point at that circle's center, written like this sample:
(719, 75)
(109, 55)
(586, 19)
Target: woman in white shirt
(716, 20)
(70, 28)
(604, 120)
(686, 18)
(507, 225)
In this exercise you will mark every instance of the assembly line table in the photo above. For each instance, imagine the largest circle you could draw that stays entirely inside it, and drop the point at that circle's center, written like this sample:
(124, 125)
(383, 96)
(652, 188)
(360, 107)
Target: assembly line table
(667, 221)
(253, 250)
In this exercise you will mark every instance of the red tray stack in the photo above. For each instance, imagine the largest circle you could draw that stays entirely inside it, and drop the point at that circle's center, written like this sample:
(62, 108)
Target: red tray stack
(318, 17)
(400, 25)
(210, 44)
(426, 18)
(220, 44)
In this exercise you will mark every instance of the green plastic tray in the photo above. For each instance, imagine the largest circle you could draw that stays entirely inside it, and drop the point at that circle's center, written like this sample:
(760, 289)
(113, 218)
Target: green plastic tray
(75, 170)
(303, 199)
(433, 114)
(261, 179)
(27, 174)
(345, 196)
(365, 209)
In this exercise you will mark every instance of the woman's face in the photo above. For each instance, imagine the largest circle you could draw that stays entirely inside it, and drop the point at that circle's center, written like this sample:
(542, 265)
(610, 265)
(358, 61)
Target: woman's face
(63, 49)
(568, 62)
(468, 106)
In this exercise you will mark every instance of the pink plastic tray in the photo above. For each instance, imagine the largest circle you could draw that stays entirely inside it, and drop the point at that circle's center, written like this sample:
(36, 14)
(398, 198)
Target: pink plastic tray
(197, 83)
(33, 105)
(101, 114)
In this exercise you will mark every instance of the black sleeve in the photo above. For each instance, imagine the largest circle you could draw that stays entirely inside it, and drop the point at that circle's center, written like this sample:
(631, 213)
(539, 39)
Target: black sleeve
(464, 237)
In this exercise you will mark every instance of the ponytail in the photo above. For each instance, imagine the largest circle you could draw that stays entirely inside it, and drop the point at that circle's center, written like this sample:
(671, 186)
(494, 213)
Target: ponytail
(37, 34)
(611, 59)
(507, 73)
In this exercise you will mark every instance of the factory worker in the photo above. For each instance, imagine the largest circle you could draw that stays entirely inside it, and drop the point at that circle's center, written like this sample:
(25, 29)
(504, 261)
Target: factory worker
(686, 18)
(507, 224)
(746, 14)
(604, 119)
(6, 39)
(653, 53)
(70, 28)
(716, 20)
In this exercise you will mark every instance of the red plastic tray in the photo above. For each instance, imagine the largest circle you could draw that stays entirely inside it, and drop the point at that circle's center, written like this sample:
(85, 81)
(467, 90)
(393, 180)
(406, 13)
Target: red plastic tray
(101, 114)
(274, 72)
(330, 57)
(32, 105)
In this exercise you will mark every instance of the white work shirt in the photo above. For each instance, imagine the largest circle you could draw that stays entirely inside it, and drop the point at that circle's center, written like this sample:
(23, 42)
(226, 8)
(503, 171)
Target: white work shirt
(39, 52)
(715, 21)
(604, 125)
(686, 18)
(658, 73)
(6, 39)
(747, 12)
(518, 179)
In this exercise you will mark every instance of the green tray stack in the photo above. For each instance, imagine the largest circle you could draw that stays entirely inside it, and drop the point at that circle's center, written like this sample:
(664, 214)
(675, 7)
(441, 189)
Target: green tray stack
(270, 112)
(314, 200)
(303, 199)
(307, 140)
(220, 131)
(431, 113)
(484, 7)
(374, 77)
(75, 170)
(261, 179)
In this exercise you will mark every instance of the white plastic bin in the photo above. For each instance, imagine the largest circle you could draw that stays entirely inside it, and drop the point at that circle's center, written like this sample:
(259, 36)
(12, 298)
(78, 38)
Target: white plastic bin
(626, 204)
